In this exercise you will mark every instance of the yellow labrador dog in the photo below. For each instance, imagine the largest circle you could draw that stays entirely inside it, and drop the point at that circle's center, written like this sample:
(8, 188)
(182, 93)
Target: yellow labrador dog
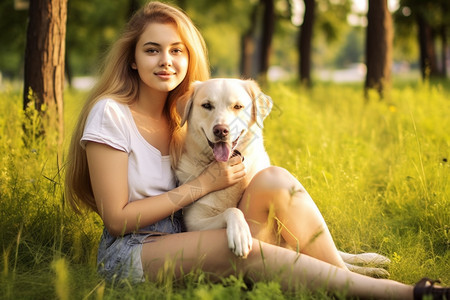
(225, 118)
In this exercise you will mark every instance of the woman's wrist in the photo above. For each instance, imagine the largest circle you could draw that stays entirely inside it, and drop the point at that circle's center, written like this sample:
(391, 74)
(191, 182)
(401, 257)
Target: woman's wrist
(202, 186)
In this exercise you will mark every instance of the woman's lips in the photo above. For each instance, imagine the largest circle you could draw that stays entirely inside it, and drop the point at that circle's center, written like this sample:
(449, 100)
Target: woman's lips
(165, 75)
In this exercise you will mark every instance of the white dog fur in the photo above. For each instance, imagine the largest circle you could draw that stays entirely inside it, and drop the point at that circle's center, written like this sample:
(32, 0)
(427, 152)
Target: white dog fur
(225, 115)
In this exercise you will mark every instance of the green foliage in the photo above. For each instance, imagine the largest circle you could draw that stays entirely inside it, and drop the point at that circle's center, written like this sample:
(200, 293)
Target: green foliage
(332, 17)
(352, 50)
(13, 28)
(435, 13)
(221, 23)
(36, 226)
(92, 26)
(378, 171)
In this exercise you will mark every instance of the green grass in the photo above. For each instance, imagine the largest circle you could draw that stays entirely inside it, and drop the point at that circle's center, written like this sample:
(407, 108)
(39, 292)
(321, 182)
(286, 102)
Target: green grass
(377, 170)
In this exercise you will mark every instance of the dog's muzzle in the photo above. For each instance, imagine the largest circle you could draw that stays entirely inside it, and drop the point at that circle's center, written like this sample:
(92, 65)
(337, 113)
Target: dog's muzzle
(223, 150)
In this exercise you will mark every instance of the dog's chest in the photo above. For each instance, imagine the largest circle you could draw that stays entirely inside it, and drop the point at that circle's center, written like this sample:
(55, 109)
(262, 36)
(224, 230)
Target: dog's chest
(189, 168)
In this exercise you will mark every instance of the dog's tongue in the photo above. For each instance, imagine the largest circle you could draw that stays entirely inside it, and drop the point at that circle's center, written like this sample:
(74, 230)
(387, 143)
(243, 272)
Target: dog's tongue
(221, 151)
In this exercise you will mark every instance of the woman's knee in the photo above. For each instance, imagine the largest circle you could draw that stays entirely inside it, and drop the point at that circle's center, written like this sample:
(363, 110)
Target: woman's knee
(276, 178)
(271, 190)
(275, 184)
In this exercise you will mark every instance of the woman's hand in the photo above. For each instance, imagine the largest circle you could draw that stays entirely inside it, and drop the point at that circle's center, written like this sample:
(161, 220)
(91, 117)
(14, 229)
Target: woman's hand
(220, 175)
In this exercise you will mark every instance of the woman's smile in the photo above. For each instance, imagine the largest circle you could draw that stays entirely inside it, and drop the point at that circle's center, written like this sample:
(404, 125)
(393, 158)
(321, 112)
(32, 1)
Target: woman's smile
(165, 75)
(160, 52)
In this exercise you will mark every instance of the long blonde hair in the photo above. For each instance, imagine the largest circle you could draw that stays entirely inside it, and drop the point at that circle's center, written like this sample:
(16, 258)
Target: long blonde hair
(120, 82)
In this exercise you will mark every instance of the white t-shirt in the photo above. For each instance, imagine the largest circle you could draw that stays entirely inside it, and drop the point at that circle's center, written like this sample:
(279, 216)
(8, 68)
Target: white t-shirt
(149, 173)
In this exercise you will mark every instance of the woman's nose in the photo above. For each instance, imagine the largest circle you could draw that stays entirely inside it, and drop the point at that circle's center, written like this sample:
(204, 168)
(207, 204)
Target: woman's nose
(166, 59)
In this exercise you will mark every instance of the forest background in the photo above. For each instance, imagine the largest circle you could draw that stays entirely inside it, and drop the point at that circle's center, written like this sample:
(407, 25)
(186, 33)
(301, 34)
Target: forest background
(376, 166)
(338, 40)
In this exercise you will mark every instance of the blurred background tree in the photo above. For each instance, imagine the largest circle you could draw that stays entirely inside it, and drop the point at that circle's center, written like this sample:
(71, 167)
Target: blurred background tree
(44, 62)
(430, 22)
(234, 31)
(379, 38)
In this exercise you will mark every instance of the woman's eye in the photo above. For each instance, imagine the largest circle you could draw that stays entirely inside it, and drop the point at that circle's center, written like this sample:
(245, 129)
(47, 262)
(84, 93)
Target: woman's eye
(151, 51)
(177, 51)
(238, 106)
(207, 106)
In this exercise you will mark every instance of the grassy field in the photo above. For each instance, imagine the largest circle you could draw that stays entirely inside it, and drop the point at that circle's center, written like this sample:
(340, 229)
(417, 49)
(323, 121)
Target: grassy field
(378, 171)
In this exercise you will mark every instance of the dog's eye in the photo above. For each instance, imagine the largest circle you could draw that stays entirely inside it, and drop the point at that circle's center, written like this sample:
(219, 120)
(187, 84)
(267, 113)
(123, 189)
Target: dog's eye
(238, 106)
(207, 106)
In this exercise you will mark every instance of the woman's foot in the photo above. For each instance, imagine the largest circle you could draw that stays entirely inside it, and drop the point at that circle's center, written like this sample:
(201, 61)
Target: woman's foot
(425, 287)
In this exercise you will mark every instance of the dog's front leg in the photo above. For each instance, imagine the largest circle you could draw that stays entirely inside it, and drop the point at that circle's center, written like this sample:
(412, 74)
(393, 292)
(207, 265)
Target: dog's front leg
(238, 232)
(204, 217)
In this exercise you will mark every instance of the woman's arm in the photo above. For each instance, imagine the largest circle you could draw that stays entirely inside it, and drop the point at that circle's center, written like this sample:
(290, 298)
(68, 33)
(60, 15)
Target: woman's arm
(108, 169)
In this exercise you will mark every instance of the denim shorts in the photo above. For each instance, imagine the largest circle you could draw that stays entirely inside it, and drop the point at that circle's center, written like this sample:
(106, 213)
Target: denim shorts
(119, 258)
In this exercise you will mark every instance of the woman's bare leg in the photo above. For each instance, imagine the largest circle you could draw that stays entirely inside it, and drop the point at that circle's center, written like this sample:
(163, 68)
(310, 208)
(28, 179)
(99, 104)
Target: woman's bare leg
(205, 250)
(208, 251)
(279, 210)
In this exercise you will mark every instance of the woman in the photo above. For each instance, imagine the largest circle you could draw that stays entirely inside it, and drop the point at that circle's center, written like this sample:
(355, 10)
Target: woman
(119, 166)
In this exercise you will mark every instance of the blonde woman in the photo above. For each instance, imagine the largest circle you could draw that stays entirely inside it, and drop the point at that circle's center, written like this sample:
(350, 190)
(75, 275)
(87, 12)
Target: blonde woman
(119, 166)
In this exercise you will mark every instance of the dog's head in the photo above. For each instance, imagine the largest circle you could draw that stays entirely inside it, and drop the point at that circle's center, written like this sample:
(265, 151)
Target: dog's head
(222, 111)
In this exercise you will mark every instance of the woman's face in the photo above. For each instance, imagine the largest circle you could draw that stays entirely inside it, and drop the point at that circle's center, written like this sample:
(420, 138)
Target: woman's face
(161, 58)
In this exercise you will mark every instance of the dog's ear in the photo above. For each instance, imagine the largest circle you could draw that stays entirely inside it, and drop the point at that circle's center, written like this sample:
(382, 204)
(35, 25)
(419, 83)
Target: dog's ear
(262, 104)
(184, 103)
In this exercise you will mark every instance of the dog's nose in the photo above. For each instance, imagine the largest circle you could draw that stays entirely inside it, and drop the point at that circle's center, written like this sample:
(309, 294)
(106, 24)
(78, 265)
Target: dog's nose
(221, 131)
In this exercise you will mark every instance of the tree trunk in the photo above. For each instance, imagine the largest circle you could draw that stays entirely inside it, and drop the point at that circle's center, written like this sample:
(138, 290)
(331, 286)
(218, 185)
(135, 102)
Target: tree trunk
(268, 24)
(445, 6)
(444, 51)
(378, 46)
(248, 46)
(44, 58)
(305, 43)
(68, 69)
(428, 59)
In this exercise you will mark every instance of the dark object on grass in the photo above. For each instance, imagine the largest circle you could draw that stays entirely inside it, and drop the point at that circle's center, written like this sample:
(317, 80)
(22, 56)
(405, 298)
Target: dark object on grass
(425, 287)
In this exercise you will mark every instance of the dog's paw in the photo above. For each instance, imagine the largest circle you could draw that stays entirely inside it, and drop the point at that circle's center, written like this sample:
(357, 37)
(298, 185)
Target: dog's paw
(372, 259)
(368, 271)
(238, 233)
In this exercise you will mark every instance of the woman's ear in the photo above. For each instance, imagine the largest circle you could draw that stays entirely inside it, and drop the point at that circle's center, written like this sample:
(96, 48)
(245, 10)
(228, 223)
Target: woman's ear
(134, 66)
